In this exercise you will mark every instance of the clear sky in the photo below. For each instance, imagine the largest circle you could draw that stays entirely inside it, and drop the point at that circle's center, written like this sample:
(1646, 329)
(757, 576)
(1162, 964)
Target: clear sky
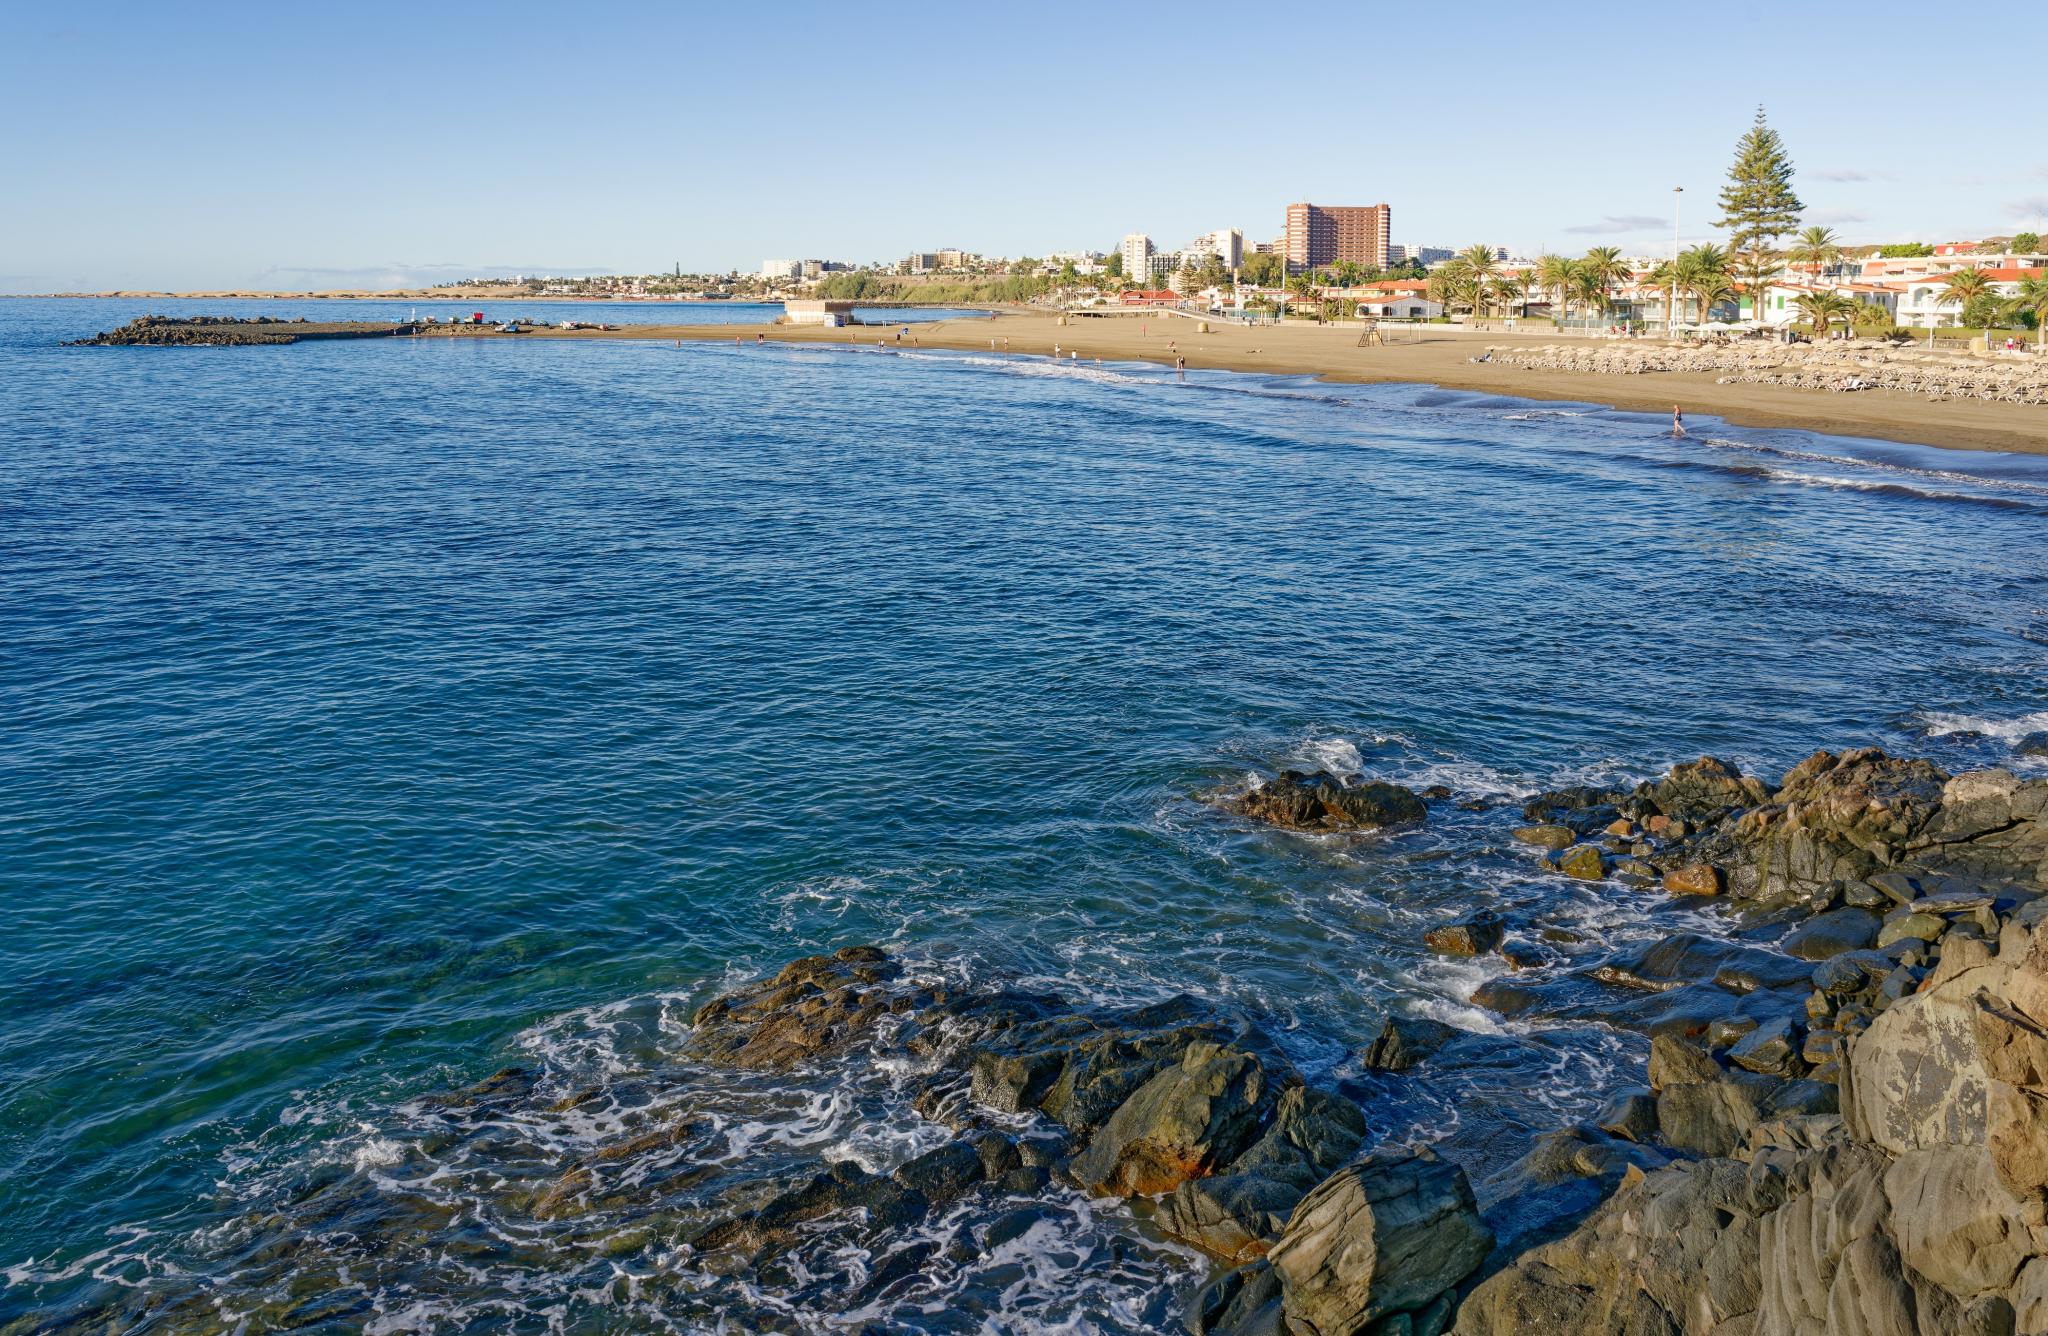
(285, 145)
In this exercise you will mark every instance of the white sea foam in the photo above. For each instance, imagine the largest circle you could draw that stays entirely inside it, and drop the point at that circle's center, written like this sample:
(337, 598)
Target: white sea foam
(1942, 723)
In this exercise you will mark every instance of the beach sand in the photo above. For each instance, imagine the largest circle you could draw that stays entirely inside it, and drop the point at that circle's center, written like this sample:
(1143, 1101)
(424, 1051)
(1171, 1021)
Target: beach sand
(1439, 356)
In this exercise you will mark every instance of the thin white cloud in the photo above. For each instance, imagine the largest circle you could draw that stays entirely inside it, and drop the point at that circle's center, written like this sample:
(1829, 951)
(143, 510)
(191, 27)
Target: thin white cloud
(1836, 217)
(1849, 174)
(403, 274)
(1613, 223)
(2034, 206)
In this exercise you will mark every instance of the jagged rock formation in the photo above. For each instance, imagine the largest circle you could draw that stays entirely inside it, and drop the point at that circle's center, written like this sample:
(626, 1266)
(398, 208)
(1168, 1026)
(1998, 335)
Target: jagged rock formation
(1303, 801)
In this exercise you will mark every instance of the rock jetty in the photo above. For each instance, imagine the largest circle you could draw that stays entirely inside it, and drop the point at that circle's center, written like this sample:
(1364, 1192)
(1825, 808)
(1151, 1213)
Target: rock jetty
(220, 331)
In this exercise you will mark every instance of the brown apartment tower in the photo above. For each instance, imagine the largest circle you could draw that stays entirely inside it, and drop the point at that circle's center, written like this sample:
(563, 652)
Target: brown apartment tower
(1319, 234)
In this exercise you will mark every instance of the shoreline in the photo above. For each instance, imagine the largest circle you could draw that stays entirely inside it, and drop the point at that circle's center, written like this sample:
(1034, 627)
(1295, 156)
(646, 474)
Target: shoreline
(1438, 356)
(1440, 360)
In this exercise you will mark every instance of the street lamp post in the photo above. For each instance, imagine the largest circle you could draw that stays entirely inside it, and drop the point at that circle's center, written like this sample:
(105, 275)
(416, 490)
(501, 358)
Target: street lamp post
(1671, 311)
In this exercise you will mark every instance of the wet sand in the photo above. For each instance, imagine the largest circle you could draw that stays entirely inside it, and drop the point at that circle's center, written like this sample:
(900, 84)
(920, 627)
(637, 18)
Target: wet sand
(1438, 356)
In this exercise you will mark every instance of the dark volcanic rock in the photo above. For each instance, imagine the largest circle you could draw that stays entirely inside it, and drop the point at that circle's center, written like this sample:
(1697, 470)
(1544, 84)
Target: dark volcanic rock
(1404, 1041)
(815, 1007)
(1716, 1117)
(1832, 933)
(1390, 1234)
(1299, 800)
(1471, 936)
(1187, 1120)
(1238, 1213)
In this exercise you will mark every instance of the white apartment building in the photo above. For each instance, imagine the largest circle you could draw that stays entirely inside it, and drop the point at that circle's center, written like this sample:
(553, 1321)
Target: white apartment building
(1137, 255)
(777, 270)
(1225, 244)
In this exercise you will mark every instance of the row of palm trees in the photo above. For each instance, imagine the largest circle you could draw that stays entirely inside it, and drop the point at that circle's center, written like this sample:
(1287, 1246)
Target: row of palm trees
(1471, 279)
(1705, 273)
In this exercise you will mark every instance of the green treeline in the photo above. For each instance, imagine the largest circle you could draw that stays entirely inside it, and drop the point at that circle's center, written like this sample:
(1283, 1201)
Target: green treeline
(867, 285)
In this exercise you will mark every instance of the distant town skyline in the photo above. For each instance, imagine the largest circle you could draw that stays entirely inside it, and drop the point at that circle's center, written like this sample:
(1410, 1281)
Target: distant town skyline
(241, 145)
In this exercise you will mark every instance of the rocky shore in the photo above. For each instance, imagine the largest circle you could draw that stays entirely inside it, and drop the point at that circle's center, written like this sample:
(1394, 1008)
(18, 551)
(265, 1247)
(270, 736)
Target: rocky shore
(1844, 1126)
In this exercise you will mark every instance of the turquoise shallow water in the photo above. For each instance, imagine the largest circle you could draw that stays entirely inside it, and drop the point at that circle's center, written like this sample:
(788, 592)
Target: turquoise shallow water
(374, 715)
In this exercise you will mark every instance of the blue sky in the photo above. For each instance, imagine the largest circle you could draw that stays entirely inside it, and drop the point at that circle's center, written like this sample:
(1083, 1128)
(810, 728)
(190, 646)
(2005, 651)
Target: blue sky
(289, 145)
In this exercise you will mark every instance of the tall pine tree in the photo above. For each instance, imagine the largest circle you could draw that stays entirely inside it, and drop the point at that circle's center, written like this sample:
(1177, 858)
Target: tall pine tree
(1758, 206)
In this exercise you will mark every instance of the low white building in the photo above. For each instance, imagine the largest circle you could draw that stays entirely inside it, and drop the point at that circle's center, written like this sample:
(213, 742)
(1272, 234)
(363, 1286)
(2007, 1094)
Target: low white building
(1399, 307)
(776, 270)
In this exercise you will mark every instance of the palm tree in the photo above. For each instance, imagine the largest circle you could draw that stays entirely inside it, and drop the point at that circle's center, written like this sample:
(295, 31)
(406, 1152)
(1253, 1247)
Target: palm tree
(1703, 272)
(1589, 287)
(1479, 267)
(1710, 290)
(1963, 287)
(1816, 246)
(1870, 318)
(1557, 274)
(1447, 283)
(1822, 309)
(2032, 299)
(1601, 270)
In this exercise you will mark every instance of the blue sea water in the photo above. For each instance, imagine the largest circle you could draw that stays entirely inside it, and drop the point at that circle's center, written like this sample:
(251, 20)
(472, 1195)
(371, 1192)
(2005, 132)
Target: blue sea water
(377, 715)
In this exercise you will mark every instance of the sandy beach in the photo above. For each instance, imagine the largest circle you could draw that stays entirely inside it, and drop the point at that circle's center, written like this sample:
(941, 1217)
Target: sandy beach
(1438, 356)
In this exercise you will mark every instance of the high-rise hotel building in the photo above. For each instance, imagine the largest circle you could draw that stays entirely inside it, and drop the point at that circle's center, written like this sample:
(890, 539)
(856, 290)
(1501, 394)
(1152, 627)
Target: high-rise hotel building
(1319, 234)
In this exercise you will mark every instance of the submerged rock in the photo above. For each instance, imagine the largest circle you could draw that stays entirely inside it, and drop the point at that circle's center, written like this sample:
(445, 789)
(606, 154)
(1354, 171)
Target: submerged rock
(1471, 936)
(1404, 1041)
(1300, 800)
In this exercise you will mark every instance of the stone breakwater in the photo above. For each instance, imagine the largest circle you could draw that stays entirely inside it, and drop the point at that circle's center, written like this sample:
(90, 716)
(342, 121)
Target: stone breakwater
(223, 331)
(2004, 377)
(1844, 1127)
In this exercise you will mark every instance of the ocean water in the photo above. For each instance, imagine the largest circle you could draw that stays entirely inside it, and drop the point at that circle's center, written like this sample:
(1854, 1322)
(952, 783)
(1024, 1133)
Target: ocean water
(376, 716)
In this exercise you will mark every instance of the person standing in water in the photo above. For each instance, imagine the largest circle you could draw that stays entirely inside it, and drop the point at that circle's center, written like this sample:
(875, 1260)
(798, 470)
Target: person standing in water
(1677, 421)
(1180, 367)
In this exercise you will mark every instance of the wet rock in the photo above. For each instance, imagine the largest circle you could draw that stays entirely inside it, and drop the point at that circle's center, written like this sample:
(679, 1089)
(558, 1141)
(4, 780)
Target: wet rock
(1389, 1234)
(1404, 1041)
(1834, 819)
(1025, 1180)
(1299, 800)
(1474, 935)
(1238, 1213)
(1631, 1114)
(1694, 879)
(1919, 927)
(1852, 972)
(1242, 1302)
(1525, 955)
(1703, 791)
(1636, 872)
(1586, 862)
(1186, 1121)
(1771, 1049)
(1716, 1117)
(943, 1174)
(1676, 1059)
(816, 1007)
(1580, 807)
(2033, 744)
(1549, 835)
(1832, 933)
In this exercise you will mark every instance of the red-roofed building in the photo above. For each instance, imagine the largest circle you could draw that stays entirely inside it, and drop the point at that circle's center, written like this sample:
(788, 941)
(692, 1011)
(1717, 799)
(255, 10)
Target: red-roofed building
(1140, 297)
